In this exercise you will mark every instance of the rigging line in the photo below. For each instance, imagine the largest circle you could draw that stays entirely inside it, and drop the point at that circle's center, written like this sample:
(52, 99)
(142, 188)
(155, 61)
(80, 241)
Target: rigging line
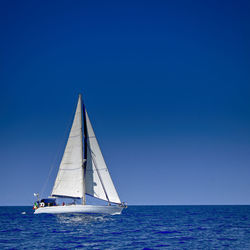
(57, 154)
(72, 169)
(98, 169)
(72, 136)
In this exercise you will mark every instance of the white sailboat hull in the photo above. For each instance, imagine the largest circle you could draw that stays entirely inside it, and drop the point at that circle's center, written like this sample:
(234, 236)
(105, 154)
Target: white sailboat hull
(84, 209)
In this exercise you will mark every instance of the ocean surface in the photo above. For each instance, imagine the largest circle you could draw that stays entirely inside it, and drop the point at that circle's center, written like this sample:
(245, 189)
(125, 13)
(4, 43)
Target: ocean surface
(139, 227)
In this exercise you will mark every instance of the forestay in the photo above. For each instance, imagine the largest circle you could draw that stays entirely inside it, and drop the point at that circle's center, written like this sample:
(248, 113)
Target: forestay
(69, 181)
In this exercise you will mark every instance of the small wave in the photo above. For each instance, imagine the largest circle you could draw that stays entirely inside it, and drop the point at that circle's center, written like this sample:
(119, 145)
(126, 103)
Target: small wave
(116, 233)
(167, 232)
(14, 230)
(227, 239)
(162, 245)
(185, 238)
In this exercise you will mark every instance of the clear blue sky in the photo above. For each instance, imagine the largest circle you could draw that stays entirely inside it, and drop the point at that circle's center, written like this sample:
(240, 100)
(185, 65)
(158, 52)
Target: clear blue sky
(166, 85)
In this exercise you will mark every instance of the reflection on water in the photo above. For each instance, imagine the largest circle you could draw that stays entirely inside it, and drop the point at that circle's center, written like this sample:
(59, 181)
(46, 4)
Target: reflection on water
(82, 219)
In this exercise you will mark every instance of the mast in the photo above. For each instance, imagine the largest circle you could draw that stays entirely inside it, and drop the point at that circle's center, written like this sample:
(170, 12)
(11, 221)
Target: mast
(84, 153)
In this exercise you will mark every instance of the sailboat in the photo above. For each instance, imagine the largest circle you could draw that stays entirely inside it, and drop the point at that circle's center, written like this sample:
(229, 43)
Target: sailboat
(82, 172)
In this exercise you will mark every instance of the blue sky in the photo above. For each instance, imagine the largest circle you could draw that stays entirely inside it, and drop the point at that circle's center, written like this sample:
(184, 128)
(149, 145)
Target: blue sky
(166, 85)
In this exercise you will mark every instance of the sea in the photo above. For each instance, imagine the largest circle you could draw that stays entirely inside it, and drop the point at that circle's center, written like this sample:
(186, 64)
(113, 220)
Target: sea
(138, 227)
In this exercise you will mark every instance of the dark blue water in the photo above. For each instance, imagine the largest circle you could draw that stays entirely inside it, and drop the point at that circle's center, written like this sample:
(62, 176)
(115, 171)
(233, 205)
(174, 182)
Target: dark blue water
(153, 227)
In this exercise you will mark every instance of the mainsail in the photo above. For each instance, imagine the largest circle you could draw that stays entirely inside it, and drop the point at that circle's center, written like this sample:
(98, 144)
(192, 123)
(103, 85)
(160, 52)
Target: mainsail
(69, 180)
(72, 179)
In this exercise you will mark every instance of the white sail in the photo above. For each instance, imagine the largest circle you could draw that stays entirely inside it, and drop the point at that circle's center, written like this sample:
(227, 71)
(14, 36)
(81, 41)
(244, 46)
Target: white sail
(98, 182)
(69, 180)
